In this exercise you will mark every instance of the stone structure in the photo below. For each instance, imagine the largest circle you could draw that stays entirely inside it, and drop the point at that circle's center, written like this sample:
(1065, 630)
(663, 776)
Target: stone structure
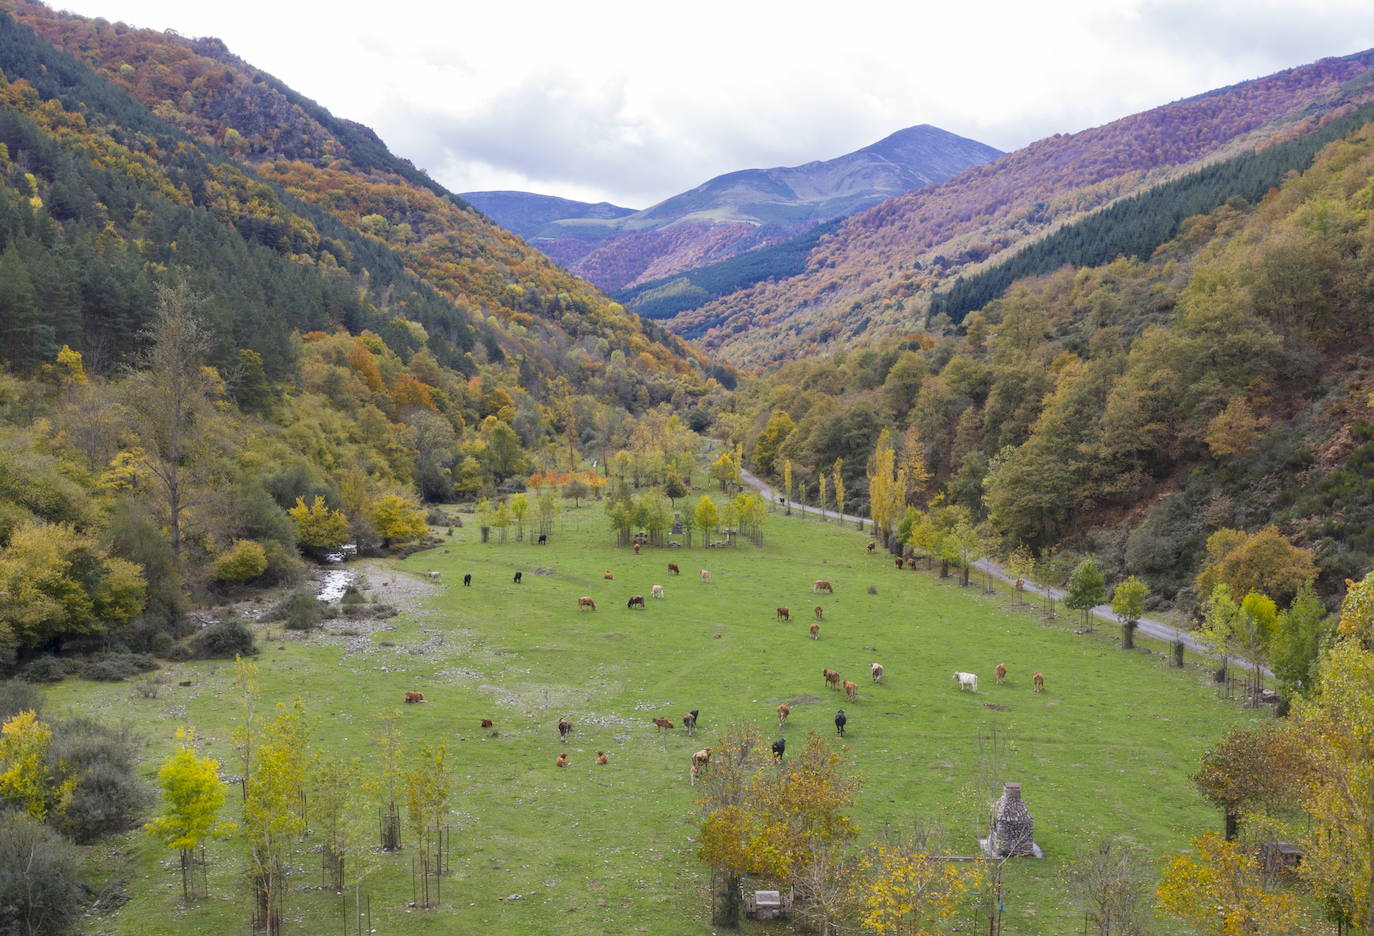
(1013, 831)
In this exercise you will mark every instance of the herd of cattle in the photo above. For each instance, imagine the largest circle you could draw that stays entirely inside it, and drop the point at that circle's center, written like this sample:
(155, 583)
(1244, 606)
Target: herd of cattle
(701, 758)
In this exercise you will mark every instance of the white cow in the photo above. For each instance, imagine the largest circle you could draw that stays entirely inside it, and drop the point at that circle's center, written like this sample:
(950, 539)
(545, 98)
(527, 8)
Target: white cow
(876, 669)
(657, 591)
(967, 681)
(432, 576)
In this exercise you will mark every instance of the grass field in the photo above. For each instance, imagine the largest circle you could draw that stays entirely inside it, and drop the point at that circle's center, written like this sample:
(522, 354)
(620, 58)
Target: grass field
(1105, 749)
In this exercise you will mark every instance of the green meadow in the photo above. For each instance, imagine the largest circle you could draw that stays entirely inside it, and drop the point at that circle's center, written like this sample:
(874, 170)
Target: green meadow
(536, 849)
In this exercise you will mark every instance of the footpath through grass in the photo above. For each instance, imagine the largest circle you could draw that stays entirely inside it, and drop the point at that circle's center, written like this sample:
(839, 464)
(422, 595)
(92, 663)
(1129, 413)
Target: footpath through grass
(1106, 749)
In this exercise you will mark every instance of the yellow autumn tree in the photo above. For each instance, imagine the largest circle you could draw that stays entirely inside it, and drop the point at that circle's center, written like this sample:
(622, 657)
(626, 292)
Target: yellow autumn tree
(194, 794)
(1219, 890)
(902, 891)
(26, 780)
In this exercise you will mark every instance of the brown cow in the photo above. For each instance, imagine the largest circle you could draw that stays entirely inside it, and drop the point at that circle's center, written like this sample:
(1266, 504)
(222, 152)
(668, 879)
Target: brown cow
(911, 563)
(415, 697)
(822, 585)
(872, 545)
(636, 549)
(586, 602)
(564, 726)
(1001, 673)
(601, 758)
(815, 631)
(662, 725)
(701, 758)
(672, 567)
(899, 562)
(832, 678)
(607, 575)
(488, 723)
(819, 612)
(851, 690)
(1039, 681)
(784, 614)
(783, 711)
(562, 761)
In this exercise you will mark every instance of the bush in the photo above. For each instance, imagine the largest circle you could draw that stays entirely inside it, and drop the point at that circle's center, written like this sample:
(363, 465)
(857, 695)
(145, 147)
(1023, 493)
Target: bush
(45, 668)
(230, 637)
(302, 611)
(284, 567)
(109, 796)
(242, 561)
(16, 697)
(40, 884)
(114, 667)
(353, 595)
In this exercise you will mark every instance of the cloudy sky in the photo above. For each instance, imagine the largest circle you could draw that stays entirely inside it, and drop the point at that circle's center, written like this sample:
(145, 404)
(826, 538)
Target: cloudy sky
(634, 101)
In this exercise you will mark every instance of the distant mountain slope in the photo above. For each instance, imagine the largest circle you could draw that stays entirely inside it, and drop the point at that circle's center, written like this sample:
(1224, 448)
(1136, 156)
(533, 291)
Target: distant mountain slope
(738, 211)
(290, 169)
(877, 273)
(526, 213)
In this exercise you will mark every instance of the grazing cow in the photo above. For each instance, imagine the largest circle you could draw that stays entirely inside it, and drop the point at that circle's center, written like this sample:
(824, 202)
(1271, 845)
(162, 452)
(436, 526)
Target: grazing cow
(779, 746)
(636, 601)
(564, 726)
(819, 612)
(832, 678)
(656, 591)
(715, 636)
(705, 574)
(911, 563)
(543, 538)
(872, 545)
(784, 614)
(689, 721)
(488, 723)
(432, 576)
(701, 758)
(562, 761)
(601, 758)
(966, 681)
(1001, 673)
(518, 577)
(783, 711)
(851, 690)
(815, 631)
(662, 724)
(467, 580)
(821, 585)
(1039, 682)
(415, 697)
(586, 602)
(607, 575)
(876, 671)
(898, 562)
(672, 567)
(840, 721)
(636, 549)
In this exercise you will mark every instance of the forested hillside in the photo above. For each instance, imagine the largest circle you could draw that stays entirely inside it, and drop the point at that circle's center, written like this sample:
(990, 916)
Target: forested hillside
(1131, 409)
(238, 330)
(878, 272)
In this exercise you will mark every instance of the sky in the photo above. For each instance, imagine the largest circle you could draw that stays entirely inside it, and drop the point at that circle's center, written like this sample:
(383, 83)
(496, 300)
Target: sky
(631, 102)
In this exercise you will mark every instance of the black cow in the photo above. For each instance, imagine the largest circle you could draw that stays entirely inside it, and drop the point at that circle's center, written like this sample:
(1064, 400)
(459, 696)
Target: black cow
(840, 722)
(779, 746)
(467, 579)
(689, 721)
(564, 726)
(636, 601)
(543, 538)
(517, 577)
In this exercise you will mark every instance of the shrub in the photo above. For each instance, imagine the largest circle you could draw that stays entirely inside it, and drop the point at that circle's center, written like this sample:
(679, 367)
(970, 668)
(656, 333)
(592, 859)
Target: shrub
(284, 567)
(302, 611)
(45, 668)
(353, 595)
(114, 667)
(40, 884)
(109, 796)
(226, 639)
(16, 697)
(242, 561)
